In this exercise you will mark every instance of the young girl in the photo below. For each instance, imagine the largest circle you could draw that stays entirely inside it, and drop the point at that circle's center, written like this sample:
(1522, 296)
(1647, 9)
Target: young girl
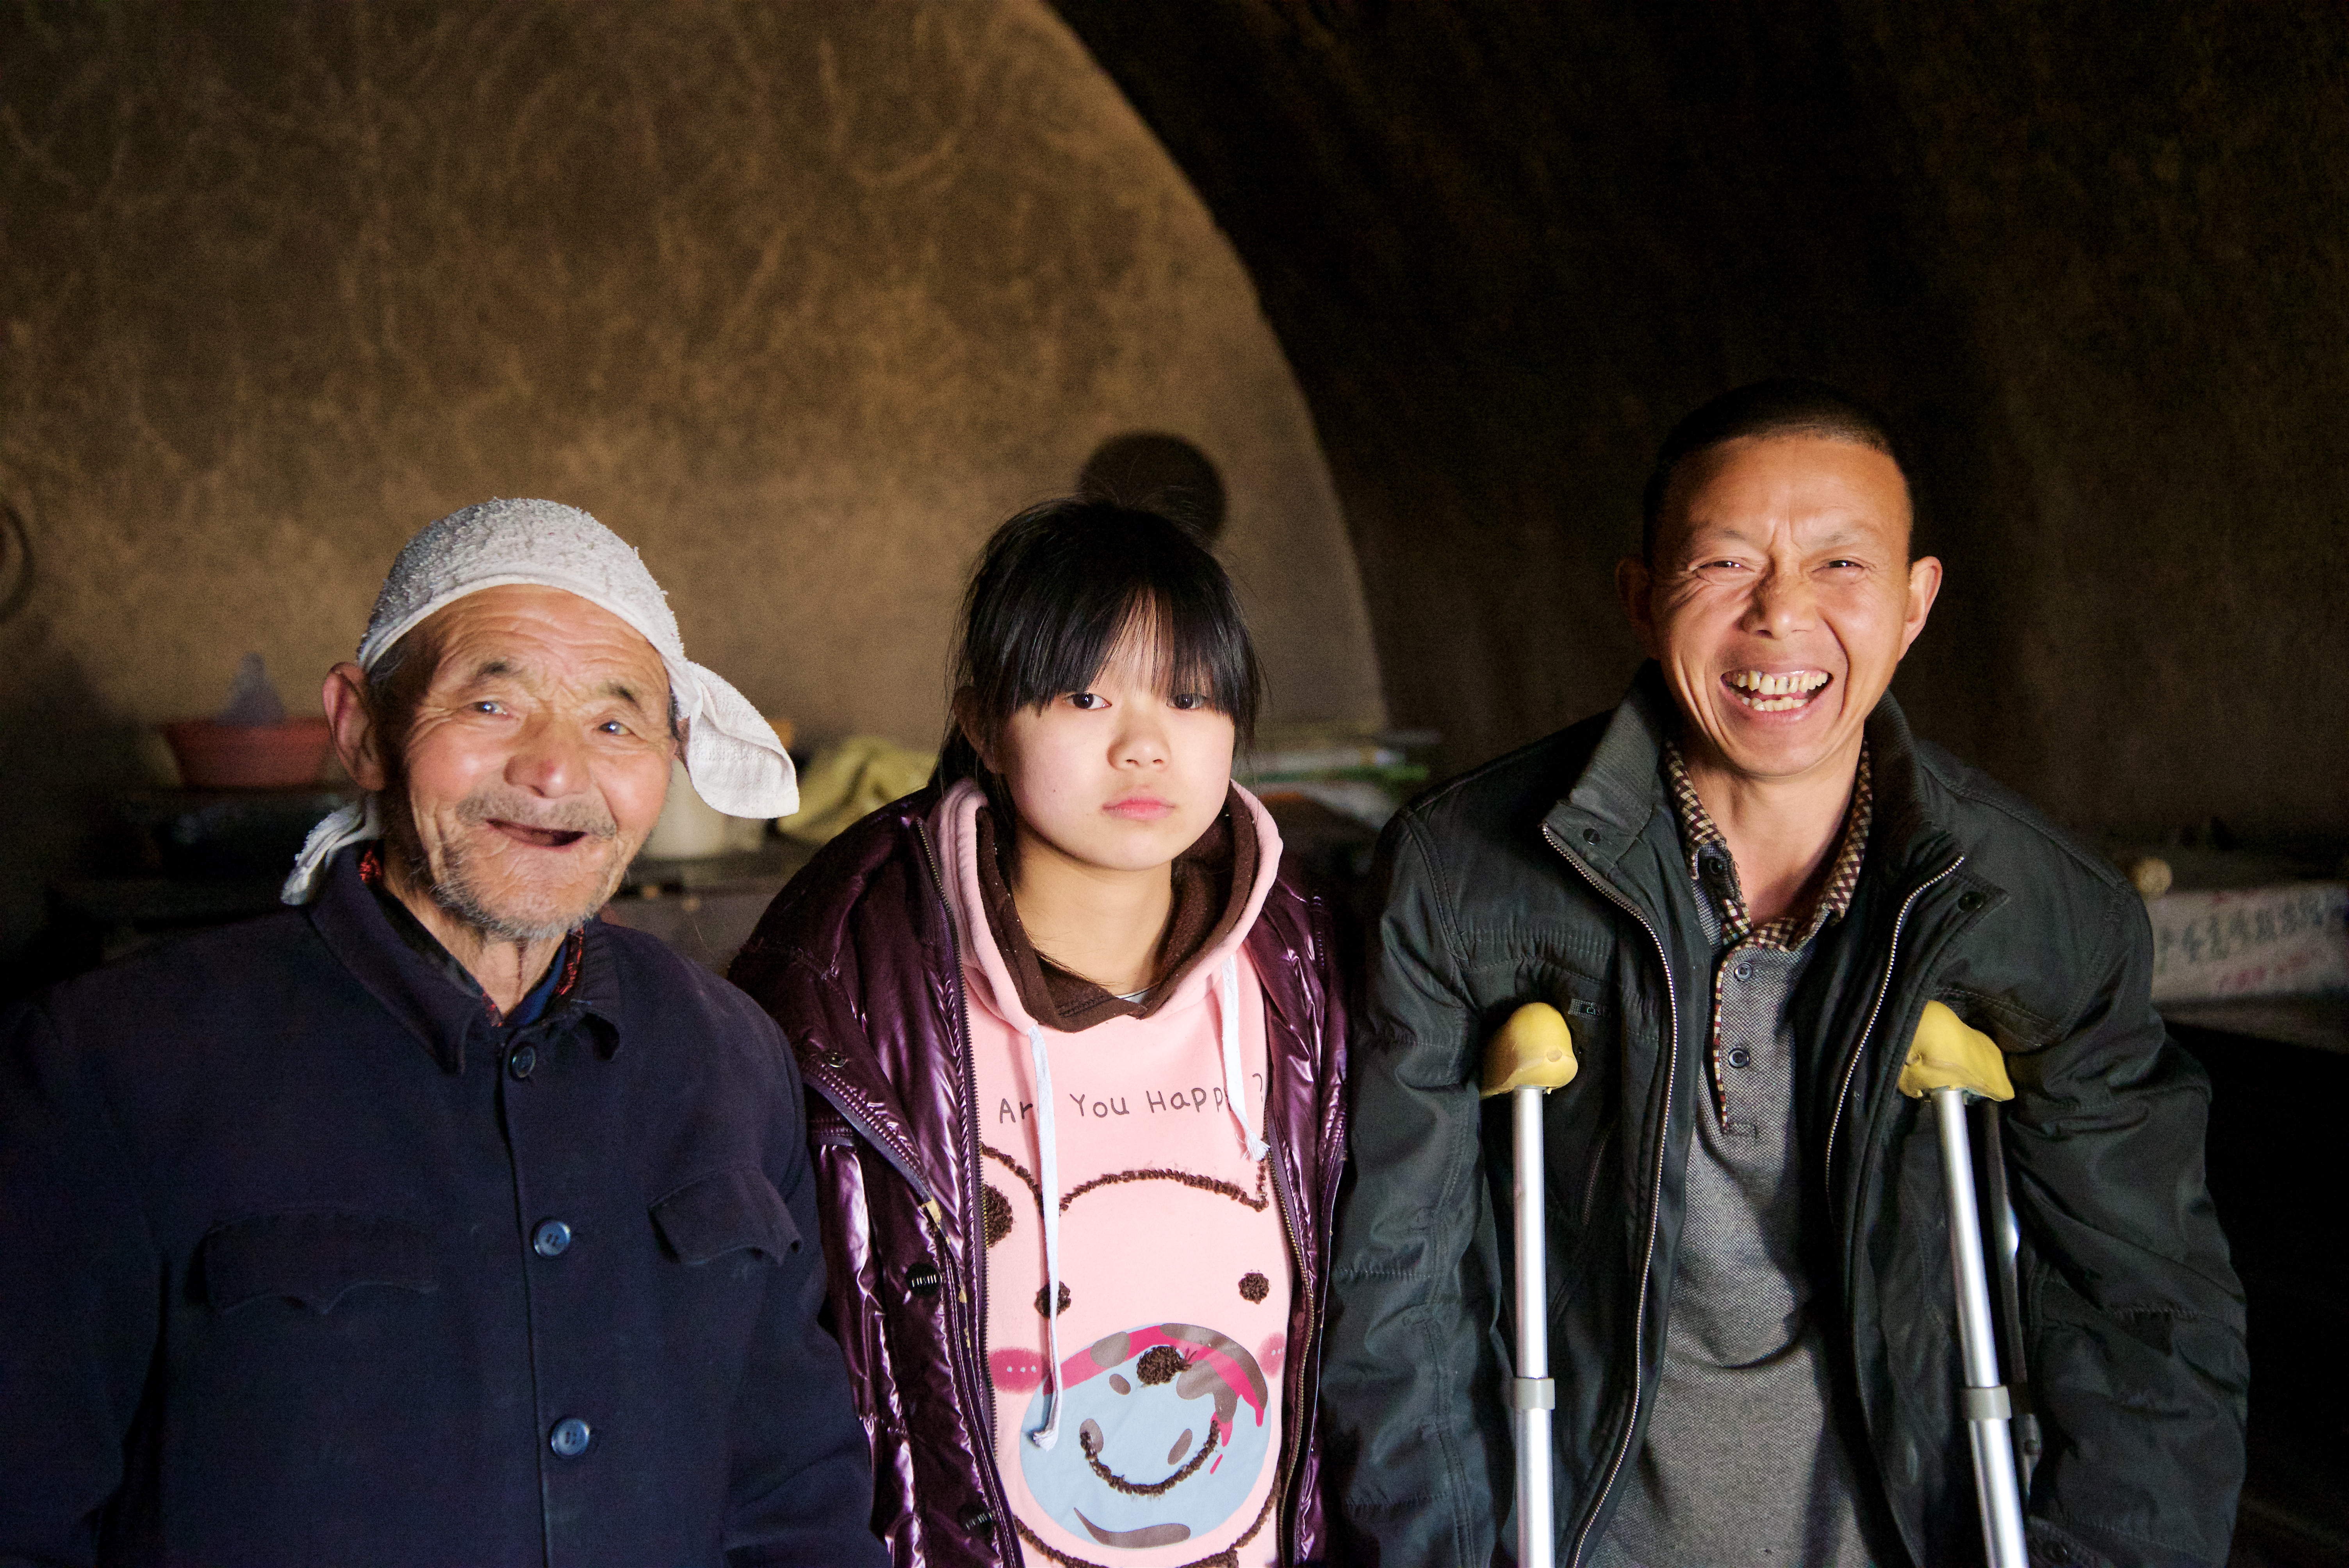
(1076, 1046)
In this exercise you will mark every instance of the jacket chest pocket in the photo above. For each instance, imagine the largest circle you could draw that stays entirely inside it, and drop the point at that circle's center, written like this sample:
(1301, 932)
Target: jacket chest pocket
(733, 1218)
(314, 1259)
(1587, 1124)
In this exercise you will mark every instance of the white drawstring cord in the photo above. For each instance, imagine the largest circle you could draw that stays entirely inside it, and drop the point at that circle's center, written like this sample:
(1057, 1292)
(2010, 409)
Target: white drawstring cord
(1047, 1160)
(1235, 1086)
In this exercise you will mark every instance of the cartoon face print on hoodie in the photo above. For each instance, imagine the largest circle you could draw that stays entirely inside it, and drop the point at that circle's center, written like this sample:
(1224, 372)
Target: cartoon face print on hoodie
(1161, 1433)
(1168, 1427)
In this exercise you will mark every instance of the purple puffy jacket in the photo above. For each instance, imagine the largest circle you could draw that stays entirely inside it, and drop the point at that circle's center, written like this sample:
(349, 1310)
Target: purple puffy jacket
(857, 961)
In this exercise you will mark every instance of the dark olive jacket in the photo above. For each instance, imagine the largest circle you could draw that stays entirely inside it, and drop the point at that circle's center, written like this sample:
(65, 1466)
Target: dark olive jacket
(1557, 874)
(857, 959)
(306, 1257)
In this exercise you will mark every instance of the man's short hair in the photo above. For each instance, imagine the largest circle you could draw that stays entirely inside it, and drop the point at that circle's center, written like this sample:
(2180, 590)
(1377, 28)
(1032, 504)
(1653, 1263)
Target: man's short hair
(1783, 406)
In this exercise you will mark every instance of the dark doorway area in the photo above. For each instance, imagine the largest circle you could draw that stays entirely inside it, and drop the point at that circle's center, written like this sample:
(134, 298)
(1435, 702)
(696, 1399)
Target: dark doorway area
(2083, 256)
(2274, 1158)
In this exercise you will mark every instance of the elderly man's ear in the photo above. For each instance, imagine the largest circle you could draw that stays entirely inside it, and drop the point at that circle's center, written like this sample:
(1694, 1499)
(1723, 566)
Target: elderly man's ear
(345, 697)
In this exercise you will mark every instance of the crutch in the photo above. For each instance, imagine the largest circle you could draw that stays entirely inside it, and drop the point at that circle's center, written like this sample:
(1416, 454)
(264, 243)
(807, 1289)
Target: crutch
(1527, 1057)
(2013, 1358)
(1951, 1063)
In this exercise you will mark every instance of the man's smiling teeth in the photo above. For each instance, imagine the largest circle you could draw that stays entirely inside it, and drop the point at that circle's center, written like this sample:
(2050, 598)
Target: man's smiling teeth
(1766, 693)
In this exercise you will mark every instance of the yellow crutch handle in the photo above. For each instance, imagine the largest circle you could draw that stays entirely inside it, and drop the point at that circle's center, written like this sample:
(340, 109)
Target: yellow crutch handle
(1947, 1054)
(1533, 1049)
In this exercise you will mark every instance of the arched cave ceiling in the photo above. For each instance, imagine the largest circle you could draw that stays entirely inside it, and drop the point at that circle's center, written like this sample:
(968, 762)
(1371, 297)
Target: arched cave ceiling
(2089, 257)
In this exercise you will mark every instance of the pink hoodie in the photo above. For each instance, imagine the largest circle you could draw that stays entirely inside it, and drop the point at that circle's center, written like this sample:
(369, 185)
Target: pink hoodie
(1156, 1445)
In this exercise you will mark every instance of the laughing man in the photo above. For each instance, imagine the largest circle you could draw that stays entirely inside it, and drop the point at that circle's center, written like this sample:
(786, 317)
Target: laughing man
(434, 1221)
(1742, 886)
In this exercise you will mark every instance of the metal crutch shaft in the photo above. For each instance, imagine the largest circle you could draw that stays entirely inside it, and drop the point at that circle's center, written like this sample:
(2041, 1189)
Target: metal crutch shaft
(1987, 1408)
(1527, 1057)
(1533, 1396)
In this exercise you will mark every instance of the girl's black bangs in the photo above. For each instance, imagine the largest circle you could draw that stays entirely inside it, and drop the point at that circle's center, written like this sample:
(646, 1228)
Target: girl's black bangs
(1063, 586)
(1193, 649)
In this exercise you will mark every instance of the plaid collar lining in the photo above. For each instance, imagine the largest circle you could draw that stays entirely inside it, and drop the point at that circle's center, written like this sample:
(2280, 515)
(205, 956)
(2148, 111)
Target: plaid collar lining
(1792, 930)
(1788, 932)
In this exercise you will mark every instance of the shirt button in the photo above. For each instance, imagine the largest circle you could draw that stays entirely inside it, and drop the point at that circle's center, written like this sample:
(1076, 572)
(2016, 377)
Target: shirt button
(570, 1437)
(525, 1058)
(976, 1520)
(550, 1239)
(1739, 1056)
(1744, 971)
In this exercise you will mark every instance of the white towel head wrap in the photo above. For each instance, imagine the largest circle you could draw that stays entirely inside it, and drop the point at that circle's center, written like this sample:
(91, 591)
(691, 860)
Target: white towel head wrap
(732, 753)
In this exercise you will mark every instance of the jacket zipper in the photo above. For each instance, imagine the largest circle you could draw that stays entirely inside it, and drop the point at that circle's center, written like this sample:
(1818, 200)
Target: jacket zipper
(1655, 1194)
(1883, 990)
(972, 1341)
(1284, 1188)
(901, 1159)
(991, 1483)
(1296, 1353)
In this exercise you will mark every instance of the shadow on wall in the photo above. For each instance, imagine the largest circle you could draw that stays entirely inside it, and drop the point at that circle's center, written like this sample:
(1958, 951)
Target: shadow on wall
(1161, 473)
(64, 753)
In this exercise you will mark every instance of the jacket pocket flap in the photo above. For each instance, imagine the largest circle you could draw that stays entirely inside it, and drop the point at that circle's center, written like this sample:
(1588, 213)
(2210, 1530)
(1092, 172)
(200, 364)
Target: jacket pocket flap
(731, 1211)
(314, 1258)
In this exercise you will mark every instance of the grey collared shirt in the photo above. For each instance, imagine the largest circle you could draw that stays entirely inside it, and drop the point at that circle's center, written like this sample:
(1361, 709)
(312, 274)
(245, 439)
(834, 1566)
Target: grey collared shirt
(1740, 1462)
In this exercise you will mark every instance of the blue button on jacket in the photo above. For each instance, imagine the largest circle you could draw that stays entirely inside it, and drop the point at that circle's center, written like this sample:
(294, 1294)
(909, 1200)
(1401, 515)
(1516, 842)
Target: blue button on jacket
(268, 1291)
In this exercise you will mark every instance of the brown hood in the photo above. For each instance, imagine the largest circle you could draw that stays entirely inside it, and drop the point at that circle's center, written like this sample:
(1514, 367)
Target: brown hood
(1213, 879)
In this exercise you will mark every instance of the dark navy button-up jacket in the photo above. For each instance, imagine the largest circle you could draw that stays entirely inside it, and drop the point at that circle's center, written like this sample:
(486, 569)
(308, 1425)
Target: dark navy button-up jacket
(276, 1284)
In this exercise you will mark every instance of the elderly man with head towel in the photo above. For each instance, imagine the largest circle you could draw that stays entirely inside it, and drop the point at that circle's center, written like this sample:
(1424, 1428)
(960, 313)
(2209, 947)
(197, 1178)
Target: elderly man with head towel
(432, 1220)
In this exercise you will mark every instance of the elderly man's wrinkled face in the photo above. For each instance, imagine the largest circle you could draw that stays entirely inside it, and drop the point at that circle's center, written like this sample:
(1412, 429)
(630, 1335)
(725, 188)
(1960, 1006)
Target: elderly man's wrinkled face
(537, 760)
(1781, 600)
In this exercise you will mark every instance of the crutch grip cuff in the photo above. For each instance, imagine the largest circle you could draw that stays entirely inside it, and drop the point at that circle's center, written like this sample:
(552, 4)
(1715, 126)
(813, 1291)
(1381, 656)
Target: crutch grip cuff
(1533, 1393)
(1988, 1404)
